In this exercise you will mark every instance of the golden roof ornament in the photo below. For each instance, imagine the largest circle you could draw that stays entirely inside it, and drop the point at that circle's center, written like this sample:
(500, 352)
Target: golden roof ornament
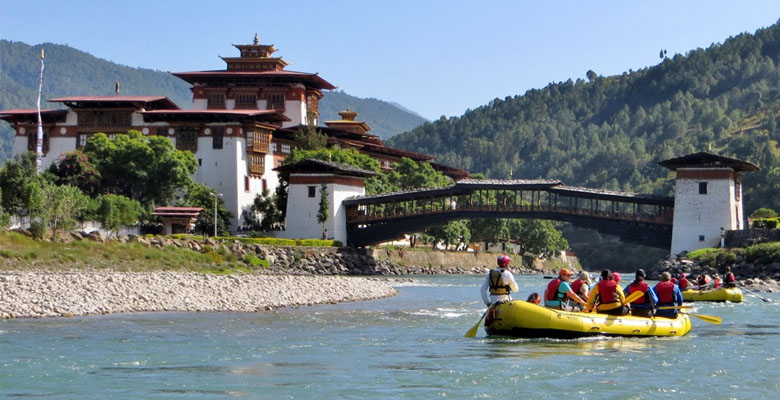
(257, 40)
(348, 115)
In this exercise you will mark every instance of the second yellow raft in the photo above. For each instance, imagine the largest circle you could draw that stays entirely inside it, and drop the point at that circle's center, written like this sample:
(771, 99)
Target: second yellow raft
(733, 295)
(523, 319)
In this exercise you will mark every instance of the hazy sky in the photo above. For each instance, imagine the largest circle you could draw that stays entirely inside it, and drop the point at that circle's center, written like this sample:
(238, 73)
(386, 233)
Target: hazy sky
(433, 57)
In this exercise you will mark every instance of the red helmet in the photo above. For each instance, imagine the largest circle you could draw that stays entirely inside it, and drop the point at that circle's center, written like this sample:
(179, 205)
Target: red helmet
(503, 260)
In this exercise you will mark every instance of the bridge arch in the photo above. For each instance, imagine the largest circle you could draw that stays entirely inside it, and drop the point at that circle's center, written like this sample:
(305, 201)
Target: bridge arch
(635, 218)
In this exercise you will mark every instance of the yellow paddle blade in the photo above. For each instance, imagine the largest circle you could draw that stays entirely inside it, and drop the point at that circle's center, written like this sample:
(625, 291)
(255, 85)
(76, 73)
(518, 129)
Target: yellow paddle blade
(634, 296)
(472, 333)
(708, 318)
(674, 307)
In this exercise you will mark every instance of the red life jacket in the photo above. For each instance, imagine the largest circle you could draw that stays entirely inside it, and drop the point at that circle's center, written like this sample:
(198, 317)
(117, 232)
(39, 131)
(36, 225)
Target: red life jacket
(683, 283)
(638, 287)
(717, 283)
(607, 289)
(577, 285)
(552, 290)
(729, 278)
(665, 292)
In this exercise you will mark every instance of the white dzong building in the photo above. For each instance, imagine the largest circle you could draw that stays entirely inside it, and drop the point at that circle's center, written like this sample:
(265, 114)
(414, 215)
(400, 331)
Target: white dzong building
(707, 199)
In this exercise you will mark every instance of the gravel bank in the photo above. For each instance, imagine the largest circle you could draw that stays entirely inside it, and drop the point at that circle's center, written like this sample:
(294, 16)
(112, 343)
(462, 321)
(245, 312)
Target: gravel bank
(49, 294)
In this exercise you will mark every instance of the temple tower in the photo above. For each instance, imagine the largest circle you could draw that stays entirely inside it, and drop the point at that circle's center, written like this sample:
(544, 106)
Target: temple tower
(707, 199)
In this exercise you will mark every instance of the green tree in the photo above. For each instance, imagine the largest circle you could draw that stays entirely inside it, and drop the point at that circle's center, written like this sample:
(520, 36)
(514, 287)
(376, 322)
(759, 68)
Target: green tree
(65, 205)
(144, 168)
(308, 137)
(117, 211)
(75, 169)
(4, 217)
(15, 176)
(264, 214)
(537, 237)
(763, 213)
(455, 233)
(323, 213)
(201, 196)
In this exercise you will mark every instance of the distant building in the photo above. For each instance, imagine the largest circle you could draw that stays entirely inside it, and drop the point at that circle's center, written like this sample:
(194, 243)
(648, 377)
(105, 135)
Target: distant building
(707, 199)
(241, 126)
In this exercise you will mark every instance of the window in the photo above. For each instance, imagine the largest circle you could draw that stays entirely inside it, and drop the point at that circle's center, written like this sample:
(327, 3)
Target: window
(256, 164)
(702, 187)
(265, 185)
(737, 188)
(187, 138)
(286, 148)
(216, 136)
(276, 102)
(312, 191)
(246, 183)
(32, 141)
(82, 140)
(273, 147)
(246, 101)
(216, 100)
(701, 238)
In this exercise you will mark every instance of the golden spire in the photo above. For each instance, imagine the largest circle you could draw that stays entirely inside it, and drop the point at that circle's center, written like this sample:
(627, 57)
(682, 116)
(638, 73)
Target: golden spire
(257, 40)
(348, 115)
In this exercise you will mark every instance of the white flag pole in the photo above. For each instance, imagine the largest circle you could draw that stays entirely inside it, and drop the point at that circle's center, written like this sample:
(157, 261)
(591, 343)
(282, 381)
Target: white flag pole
(39, 143)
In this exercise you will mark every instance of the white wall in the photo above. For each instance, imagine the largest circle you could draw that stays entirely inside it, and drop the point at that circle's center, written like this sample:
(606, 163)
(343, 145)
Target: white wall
(200, 104)
(698, 215)
(219, 168)
(301, 221)
(57, 147)
(296, 111)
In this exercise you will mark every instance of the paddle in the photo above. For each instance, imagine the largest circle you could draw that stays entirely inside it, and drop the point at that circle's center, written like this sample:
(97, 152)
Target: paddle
(472, 333)
(707, 318)
(756, 294)
(634, 296)
(674, 307)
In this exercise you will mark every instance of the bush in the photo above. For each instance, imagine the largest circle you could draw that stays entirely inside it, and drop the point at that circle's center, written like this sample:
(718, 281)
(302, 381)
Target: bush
(256, 261)
(763, 213)
(706, 256)
(763, 253)
(770, 224)
(285, 242)
(37, 229)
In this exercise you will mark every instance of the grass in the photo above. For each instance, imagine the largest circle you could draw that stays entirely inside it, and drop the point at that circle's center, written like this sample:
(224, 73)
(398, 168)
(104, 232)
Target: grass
(25, 252)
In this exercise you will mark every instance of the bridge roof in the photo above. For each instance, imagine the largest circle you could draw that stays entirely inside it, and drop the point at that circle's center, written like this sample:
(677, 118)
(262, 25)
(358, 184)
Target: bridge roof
(601, 194)
(467, 186)
(461, 187)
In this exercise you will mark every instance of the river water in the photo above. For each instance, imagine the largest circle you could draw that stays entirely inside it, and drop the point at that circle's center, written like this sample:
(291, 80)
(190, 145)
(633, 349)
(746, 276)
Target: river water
(407, 347)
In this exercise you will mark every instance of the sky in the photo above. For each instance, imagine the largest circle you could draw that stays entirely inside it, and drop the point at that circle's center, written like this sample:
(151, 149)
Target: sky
(435, 57)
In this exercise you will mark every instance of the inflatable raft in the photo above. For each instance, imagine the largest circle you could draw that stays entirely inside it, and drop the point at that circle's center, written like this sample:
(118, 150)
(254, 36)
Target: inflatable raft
(523, 319)
(733, 295)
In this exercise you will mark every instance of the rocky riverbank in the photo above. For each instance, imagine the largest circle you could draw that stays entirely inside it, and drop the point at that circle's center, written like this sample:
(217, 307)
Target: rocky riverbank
(762, 278)
(81, 292)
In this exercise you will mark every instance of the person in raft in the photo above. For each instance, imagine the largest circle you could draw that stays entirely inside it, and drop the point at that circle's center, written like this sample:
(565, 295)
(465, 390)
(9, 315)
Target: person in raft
(645, 305)
(581, 286)
(729, 281)
(715, 281)
(683, 282)
(701, 282)
(616, 278)
(606, 298)
(559, 292)
(668, 295)
(500, 282)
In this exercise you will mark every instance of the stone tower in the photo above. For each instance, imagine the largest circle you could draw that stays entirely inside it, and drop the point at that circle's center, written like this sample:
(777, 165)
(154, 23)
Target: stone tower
(707, 199)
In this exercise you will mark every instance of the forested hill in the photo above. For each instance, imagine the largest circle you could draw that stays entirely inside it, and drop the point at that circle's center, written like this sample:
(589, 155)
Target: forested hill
(611, 132)
(71, 72)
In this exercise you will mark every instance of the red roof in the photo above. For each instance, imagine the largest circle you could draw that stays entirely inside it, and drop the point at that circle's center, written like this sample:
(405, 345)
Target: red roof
(25, 111)
(311, 79)
(269, 115)
(177, 211)
(162, 101)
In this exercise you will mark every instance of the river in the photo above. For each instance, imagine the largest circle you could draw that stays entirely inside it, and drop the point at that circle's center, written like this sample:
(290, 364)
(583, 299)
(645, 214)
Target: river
(407, 347)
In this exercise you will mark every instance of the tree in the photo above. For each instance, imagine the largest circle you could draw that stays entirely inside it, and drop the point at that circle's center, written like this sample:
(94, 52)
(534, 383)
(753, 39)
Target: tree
(4, 218)
(65, 205)
(148, 169)
(264, 214)
(309, 138)
(201, 196)
(75, 169)
(15, 176)
(117, 211)
(591, 75)
(763, 213)
(536, 237)
(323, 213)
(454, 233)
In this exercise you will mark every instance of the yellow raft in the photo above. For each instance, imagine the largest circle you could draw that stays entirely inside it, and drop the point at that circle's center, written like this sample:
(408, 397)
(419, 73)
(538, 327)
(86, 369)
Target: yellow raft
(733, 295)
(523, 319)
